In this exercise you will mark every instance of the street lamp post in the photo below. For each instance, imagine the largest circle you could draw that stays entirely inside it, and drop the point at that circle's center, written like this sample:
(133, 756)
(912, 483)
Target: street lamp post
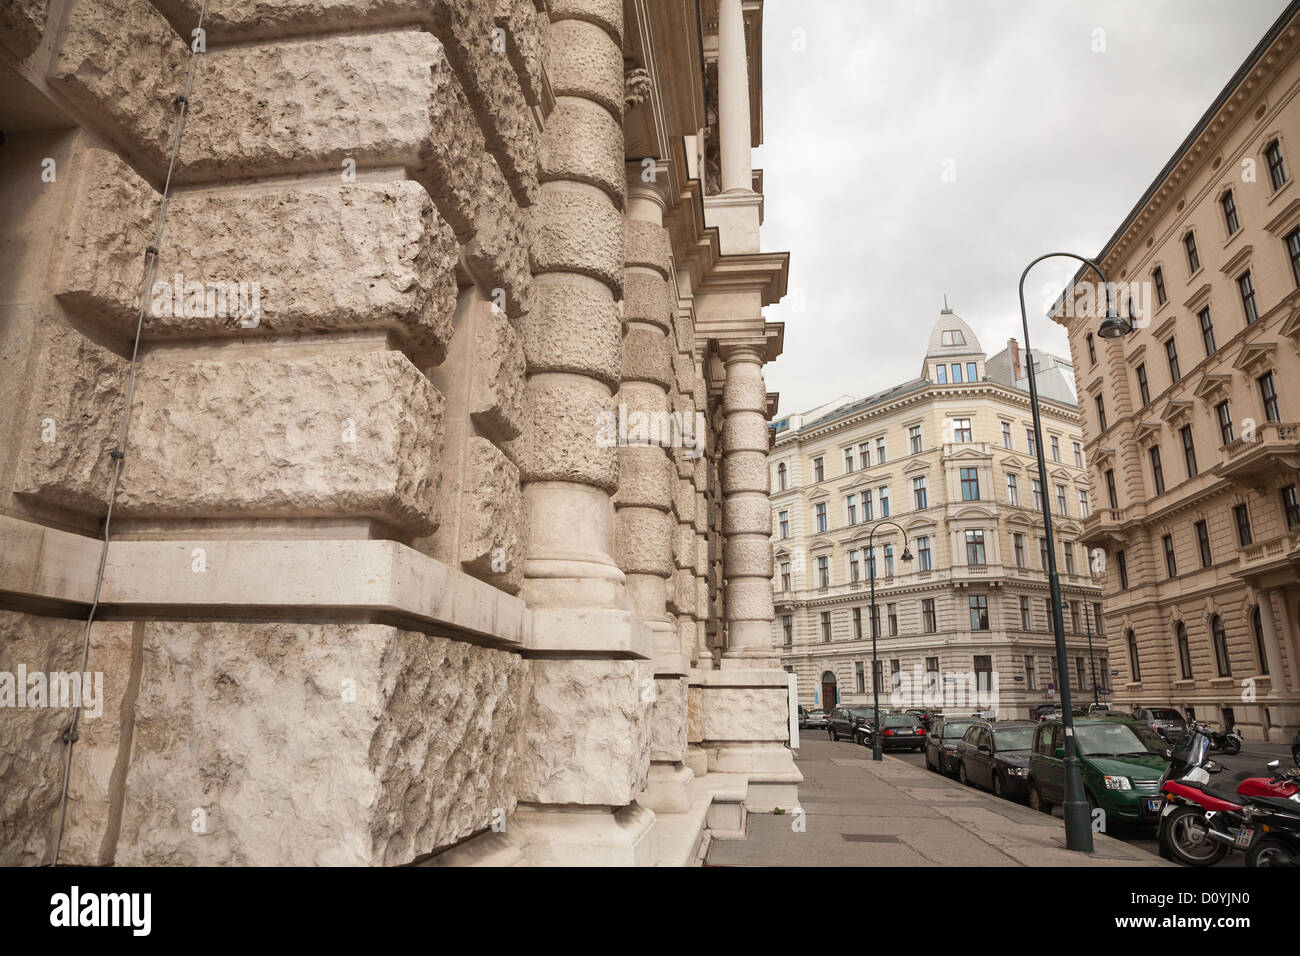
(876, 675)
(1092, 661)
(1078, 818)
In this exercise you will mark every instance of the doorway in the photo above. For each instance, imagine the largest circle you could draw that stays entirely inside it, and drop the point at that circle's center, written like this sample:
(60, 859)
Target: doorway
(830, 691)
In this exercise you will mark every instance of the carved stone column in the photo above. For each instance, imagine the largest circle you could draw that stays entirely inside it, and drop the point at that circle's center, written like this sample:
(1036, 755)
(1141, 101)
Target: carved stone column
(746, 513)
(647, 526)
(584, 749)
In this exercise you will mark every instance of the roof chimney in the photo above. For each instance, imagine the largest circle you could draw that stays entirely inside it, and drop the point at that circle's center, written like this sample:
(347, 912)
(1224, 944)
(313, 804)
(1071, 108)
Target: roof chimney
(1014, 348)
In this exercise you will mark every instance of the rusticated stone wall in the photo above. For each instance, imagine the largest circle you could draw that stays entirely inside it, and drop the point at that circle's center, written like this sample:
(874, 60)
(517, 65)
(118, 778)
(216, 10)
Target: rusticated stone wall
(372, 169)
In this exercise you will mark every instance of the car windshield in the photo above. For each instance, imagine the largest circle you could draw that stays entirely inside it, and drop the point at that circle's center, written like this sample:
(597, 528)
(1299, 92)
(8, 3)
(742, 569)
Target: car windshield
(1014, 738)
(1166, 715)
(955, 728)
(862, 712)
(1117, 740)
(900, 720)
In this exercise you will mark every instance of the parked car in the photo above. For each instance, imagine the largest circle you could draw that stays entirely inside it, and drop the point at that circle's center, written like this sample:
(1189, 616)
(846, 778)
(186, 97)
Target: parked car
(924, 716)
(814, 719)
(1122, 760)
(844, 721)
(942, 740)
(1053, 712)
(901, 731)
(1166, 721)
(996, 756)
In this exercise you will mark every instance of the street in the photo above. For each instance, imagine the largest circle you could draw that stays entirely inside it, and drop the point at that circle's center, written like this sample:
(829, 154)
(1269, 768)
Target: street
(1251, 762)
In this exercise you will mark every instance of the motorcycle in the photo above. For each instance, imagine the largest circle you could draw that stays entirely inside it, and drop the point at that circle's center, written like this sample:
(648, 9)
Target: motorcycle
(1200, 824)
(1224, 741)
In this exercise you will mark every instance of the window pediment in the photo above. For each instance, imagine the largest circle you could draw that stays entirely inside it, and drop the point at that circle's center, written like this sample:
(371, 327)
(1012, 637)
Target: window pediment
(1253, 355)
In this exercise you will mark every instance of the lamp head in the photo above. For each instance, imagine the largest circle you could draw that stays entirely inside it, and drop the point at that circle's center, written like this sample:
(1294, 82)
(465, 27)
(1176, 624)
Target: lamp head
(1114, 327)
(907, 555)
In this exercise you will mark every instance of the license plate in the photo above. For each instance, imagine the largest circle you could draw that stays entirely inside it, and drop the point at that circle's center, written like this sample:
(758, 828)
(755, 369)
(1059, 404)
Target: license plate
(905, 733)
(1154, 805)
(1244, 836)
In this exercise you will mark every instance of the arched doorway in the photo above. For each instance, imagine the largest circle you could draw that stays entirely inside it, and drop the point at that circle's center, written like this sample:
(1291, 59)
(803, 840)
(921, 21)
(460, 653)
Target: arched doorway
(830, 693)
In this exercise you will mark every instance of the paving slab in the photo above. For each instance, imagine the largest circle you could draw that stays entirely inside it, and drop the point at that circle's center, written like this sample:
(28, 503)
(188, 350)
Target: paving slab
(860, 812)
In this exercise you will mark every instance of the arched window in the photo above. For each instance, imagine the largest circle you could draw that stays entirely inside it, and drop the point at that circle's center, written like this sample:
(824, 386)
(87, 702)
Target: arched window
(1257, 625)
(780, 477)
(1184, 651)
(1219, 637)
(1134, 664)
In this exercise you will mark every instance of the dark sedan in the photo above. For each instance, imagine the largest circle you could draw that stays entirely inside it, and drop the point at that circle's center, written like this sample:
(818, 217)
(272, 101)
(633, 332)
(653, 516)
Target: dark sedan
(848, 722)
(942, 740)
(900, 731)
(996, 756)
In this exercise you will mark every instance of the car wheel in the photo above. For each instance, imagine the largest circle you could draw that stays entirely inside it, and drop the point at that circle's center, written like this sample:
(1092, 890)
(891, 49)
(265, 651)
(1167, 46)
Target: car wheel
(961, 775)
(1188, 836)
(1036, 799)
(831, 733)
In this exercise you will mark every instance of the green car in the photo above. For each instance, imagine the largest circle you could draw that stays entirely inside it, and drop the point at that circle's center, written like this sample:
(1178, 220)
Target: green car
(1122, 761)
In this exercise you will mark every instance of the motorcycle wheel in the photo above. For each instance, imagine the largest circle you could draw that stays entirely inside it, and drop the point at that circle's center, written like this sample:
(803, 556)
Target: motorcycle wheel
(1270, 852)
(1187, 834)
(1232, 746)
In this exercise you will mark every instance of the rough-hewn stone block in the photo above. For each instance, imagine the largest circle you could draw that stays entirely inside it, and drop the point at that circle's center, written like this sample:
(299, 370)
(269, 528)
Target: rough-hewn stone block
(587, 736)
(121, 61)
(642, 541)
(566, 416)
(586, 62)
(492, 517)
(253, 725)
(668, 720)
(21, 24)
(79, 395)
(647, 298)
(32, 752)
(497, 254)
(744, 713)
(584, 143)
(354, 435)
(645, 476)
(377, 98)
(520, 20)
(576, 229)
(607, 14)
(389, 258)
(573, 326)
(497, 383)
(646, 358)
(647, 246)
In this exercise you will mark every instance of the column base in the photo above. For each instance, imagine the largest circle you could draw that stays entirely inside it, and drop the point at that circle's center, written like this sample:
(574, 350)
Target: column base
(769, 767)
(670, 788)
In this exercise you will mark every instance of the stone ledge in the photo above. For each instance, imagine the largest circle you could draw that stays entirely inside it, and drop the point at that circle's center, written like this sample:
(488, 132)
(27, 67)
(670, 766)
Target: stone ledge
(54, 567)
(606, 632)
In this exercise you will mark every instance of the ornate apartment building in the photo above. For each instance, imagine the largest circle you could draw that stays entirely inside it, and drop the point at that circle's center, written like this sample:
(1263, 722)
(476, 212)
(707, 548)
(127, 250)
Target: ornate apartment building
(949, 457)
(435, 457)
(1192, 421)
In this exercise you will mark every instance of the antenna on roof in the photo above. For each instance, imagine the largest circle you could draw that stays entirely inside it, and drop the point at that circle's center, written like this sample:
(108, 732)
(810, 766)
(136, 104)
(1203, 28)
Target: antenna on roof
(946, 310)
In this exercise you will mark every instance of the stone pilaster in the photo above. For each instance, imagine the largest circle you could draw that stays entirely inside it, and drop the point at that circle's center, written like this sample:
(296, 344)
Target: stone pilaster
(585, 752)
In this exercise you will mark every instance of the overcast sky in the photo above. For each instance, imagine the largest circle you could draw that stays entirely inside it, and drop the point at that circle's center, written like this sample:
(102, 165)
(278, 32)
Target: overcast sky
(1048, 143)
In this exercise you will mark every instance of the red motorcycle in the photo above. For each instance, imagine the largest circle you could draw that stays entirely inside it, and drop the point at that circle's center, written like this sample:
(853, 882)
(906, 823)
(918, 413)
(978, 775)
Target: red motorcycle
(1201, 823)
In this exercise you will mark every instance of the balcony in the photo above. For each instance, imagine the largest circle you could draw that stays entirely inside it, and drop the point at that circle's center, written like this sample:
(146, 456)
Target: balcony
(1104, 526)
(1272, 562)
(1274, 451)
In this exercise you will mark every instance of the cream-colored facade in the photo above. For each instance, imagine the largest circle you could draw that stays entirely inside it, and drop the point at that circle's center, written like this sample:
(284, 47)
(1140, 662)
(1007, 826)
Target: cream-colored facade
(1193, 419)
(947, 456)
(436, 461)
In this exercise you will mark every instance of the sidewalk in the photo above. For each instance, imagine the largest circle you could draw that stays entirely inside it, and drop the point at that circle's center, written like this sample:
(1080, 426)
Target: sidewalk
(861, 813)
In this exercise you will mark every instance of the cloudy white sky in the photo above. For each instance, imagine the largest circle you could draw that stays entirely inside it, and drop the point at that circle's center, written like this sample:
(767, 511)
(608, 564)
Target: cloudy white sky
(1051, 144)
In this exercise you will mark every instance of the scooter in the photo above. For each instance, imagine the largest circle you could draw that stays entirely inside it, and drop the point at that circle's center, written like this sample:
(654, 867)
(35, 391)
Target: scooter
(1200, 824)
(1225, 741)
